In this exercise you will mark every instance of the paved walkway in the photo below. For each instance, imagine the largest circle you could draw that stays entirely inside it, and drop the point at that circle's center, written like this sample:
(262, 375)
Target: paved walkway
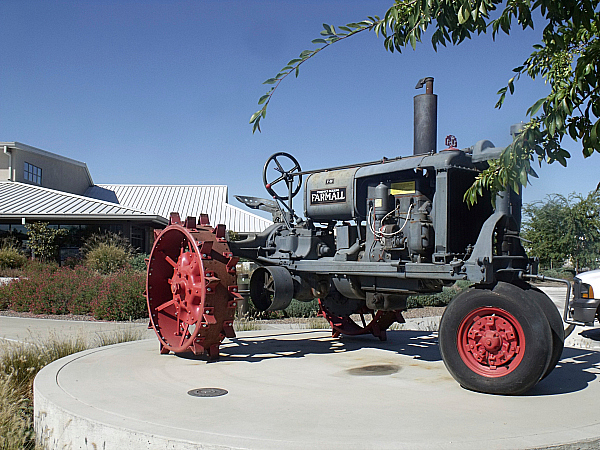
(17, 329)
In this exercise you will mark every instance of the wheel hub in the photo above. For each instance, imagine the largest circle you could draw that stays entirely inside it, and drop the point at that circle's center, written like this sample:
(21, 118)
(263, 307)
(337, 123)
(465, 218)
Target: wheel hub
(191, 288)
(491, 342)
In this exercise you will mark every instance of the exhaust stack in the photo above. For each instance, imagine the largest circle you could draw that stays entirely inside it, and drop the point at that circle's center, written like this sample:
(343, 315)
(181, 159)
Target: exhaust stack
(425, 119)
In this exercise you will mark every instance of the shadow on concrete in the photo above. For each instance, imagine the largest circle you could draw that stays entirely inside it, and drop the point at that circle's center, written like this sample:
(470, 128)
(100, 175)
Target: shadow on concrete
(593, 334)
(421, 345)
(574, 372)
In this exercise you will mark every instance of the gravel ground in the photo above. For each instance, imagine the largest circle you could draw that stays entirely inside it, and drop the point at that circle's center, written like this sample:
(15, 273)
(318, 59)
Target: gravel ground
(415, 313)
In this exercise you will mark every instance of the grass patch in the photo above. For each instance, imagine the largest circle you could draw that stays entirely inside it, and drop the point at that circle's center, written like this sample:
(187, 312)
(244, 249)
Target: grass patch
(20, 363)
(317, 323)
(116, 337)
(16, 430)
(246, 324)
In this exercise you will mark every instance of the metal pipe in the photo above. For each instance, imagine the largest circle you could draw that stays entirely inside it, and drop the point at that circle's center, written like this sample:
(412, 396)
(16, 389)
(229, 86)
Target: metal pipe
(566, 318)
(425, 119)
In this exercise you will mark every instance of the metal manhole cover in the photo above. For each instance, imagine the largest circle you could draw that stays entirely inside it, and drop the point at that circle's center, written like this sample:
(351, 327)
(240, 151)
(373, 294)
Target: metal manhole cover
(207, 392)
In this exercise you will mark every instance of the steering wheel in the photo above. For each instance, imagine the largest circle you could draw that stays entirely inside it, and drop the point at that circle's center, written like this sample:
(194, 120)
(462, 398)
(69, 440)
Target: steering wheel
(275, 168)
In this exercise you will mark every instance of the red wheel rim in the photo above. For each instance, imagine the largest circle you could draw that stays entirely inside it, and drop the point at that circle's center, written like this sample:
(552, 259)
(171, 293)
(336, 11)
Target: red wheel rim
(191, 290)
(491, 342)
(177, 315)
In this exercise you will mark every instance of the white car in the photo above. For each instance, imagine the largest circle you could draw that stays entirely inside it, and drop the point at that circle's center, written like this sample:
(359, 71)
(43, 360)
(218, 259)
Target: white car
(586, 297)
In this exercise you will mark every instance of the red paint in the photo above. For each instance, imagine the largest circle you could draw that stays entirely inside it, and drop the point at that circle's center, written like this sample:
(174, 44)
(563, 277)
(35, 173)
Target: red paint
(491, 342)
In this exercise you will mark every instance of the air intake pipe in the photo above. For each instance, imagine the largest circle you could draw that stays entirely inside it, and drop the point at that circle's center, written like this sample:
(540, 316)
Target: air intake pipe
(425, 119)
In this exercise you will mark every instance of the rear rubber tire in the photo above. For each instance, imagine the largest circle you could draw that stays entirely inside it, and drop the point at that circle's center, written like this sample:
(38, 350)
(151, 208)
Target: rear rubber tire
(494, 343)
(525, 292)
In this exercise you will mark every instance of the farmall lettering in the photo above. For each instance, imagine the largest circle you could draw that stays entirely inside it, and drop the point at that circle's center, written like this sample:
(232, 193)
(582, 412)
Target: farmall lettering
(373, 234)
(330, 195)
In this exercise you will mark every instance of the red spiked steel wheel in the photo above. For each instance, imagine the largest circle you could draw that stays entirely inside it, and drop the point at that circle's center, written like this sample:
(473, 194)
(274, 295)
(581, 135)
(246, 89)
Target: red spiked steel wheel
(491, 342)
(191, 287)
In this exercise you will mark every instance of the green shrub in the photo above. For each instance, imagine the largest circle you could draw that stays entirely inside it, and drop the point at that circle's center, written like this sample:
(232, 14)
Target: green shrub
(43, 240)
(439, 299)
(564, 274)
(107, 258)
(109, 239)
(138, 262)
(11, 258)
(302, 309)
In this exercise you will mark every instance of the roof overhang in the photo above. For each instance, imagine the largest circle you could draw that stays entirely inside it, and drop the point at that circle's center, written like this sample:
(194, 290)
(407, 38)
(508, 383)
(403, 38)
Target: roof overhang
(20, 201)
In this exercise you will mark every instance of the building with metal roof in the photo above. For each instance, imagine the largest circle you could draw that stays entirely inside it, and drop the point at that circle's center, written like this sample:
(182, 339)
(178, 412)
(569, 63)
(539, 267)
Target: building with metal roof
(37, 185)
(186, 200)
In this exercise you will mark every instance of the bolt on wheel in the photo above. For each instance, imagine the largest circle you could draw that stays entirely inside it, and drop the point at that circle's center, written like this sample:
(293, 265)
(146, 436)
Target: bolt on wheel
(495, 343)
(191, 290)
(491, 342)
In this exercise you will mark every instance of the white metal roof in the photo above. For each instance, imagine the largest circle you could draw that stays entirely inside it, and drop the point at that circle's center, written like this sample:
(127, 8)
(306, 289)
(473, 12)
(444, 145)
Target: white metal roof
(185, 199)
(18, 200)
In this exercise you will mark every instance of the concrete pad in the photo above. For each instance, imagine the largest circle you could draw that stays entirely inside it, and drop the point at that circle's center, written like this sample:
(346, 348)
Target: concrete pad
(303, 390)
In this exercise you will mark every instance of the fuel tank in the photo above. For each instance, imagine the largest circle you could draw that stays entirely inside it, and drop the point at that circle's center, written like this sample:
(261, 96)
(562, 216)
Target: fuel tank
(330, 195)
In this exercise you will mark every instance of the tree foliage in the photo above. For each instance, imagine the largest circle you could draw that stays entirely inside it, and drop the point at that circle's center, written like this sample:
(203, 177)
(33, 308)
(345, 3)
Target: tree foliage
(568, 59)
(43, 240)
(563, 229)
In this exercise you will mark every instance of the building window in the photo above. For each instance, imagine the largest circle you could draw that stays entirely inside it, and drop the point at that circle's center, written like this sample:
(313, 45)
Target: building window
(32, 173)
(137, 238)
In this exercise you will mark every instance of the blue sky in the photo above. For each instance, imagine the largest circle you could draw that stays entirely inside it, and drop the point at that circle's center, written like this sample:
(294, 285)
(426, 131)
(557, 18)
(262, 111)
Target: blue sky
(161, 92)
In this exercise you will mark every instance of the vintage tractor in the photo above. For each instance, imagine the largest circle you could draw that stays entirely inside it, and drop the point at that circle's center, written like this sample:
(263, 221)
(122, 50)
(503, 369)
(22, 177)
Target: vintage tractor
(372, 234)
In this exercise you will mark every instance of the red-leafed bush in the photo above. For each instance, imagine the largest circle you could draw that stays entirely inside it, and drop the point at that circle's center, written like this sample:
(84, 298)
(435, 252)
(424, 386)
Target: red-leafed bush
(49, 289)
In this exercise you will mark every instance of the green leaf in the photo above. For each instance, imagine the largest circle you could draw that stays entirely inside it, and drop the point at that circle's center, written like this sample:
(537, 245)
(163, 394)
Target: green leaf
(515, 186)
(319, 41)
(271, 81)
(256, 126)
(594, 132)
(536, 106)
(464, 13)
(500, 101)
(262, 100)
(523, 176)
(255, 116)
